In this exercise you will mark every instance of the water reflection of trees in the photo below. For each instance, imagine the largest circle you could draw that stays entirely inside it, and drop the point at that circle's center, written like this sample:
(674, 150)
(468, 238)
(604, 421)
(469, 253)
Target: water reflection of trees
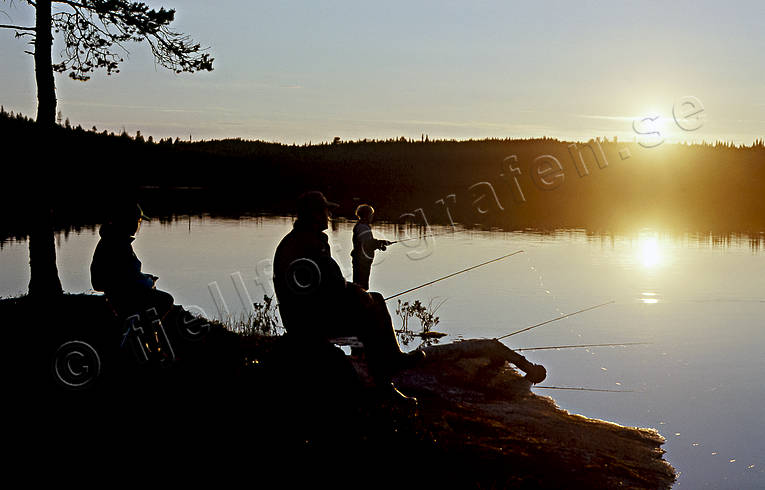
(392, 230)
(711, 188)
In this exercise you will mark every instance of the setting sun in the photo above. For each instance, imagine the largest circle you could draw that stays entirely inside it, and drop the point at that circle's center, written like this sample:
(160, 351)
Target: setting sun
(650, 254)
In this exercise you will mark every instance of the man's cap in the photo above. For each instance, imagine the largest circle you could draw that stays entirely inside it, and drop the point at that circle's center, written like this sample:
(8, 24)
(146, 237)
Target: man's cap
(313, 201)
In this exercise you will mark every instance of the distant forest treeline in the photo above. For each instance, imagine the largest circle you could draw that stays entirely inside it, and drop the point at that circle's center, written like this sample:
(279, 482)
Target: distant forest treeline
(506, 183)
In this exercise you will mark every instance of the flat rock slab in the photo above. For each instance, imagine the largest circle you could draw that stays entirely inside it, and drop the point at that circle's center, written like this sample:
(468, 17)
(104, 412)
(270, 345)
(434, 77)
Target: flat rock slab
(474, 402)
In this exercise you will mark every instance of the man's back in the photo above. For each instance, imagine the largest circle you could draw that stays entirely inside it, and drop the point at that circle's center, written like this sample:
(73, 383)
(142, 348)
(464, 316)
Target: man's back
(115, 267)
(116, 270)
(308, 283)
(316, 303)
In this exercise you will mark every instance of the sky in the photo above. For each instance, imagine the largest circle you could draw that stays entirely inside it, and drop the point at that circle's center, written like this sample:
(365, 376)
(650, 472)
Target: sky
(297, 72)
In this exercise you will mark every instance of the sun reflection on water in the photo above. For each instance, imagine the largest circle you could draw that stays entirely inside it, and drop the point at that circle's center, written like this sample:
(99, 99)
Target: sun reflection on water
(649, 298)
(652, 254)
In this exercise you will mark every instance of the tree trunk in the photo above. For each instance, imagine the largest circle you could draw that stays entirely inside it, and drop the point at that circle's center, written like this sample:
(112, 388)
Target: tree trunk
(44, 281)
(46, 88)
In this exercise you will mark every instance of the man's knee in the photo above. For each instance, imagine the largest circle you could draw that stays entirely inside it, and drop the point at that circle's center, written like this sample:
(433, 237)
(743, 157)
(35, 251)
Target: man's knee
(377, 297)
(158, 294)
(161, 300)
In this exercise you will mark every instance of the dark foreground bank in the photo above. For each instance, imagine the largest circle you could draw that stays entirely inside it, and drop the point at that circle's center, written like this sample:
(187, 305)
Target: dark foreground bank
(222, 404)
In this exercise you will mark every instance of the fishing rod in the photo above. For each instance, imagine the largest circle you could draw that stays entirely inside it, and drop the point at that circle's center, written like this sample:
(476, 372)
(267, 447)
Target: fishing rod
(583, 389)
(555, 319)
(582, 345)
(452, 274)
(426, 236)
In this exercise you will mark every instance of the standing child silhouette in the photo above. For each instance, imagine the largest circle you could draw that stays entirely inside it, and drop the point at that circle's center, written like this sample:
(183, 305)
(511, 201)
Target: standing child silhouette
(364, 245)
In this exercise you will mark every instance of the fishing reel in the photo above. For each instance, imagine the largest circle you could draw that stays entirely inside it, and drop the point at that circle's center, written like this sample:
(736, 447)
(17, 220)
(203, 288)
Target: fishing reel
(535, 373)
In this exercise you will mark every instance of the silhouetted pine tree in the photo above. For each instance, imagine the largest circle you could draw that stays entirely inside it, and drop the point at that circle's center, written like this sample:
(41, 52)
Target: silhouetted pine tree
(91, 29)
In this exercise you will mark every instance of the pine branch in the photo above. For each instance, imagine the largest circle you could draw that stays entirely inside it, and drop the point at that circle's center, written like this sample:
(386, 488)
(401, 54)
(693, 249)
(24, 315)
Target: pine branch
(18, 28)
(70, 3)
(94, 27)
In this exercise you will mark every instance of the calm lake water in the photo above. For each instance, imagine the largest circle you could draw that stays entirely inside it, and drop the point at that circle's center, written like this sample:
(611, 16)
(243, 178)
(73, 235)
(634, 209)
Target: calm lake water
(699, 302)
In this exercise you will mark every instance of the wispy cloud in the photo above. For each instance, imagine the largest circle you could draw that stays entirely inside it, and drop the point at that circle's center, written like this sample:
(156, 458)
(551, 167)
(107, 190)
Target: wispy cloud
(461, 124)
(608, 118)
(152, 108)
(583, 116)
(431, 123)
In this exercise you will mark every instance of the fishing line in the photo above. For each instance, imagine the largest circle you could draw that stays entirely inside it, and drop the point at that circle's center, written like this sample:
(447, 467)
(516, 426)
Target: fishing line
(541, 281)
(555, 301)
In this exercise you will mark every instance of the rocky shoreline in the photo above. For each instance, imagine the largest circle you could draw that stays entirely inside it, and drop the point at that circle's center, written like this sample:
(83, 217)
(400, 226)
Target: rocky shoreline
(477, 423)
(475, 401)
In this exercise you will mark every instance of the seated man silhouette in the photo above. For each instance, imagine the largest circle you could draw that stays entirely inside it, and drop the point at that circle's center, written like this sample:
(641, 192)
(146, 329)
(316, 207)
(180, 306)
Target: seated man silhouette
(116, 270)
(316, 303)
